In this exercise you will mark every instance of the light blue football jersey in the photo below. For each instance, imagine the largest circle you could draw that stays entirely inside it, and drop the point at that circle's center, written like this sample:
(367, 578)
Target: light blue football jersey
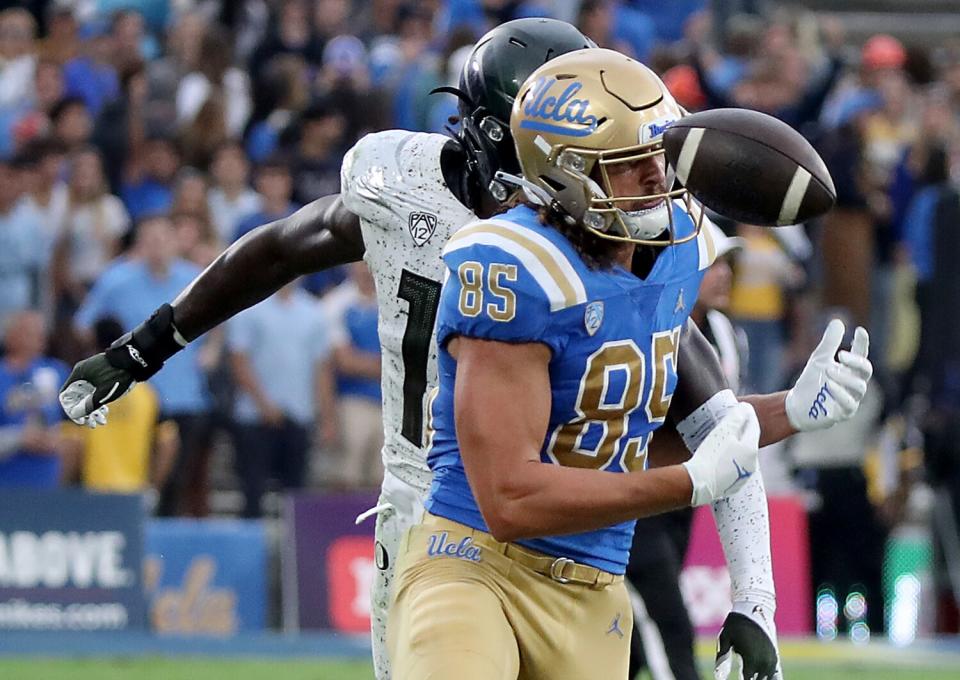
(613, 338)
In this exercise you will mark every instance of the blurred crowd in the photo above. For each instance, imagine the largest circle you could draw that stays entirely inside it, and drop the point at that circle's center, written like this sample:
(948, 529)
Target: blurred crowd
(138, 138)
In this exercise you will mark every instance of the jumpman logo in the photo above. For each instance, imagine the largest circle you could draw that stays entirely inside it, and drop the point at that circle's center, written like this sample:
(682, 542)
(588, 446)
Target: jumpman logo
(741, 475)
(615, 626)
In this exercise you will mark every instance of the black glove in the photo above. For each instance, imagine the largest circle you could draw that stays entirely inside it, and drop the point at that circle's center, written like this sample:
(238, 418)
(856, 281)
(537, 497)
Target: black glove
(746, 647)
(105, 377)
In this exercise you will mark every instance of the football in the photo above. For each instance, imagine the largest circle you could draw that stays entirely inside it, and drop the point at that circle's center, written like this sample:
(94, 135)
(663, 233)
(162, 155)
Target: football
(749, 167)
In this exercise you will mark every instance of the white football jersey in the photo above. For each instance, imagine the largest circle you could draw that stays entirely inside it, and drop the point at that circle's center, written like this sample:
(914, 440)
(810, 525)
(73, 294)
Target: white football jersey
(393, 182)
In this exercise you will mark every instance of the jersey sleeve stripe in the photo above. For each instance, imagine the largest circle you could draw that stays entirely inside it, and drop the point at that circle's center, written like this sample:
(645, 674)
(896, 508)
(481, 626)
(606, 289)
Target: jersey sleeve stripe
(553, 251)
(548, 266)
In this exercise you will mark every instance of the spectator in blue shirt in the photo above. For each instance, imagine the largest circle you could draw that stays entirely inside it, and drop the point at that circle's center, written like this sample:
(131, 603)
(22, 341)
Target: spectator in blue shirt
(92, 75)
(151, 191)
(130, 291)
(30, 415)
(352, 310)
(279, 356)
(320, 149)
(24, 251)
(275, 186)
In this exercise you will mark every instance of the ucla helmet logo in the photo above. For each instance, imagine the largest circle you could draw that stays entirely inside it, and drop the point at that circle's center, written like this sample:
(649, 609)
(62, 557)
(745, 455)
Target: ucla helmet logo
(548, 109)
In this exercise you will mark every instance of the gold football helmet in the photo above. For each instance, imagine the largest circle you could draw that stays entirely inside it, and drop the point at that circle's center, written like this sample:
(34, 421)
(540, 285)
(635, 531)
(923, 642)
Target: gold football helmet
(575, 119)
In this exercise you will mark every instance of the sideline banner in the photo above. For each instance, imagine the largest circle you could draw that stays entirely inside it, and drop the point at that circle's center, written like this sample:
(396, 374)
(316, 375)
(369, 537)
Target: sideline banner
(70, 561)
(705, 581)
(206, 577)
(328, 563)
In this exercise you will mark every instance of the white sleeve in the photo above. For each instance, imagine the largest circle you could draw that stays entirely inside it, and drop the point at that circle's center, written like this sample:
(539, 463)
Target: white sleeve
(743, 520)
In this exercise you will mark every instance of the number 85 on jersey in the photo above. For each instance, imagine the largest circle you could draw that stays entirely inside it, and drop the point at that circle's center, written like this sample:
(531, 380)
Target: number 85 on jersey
(602, 417)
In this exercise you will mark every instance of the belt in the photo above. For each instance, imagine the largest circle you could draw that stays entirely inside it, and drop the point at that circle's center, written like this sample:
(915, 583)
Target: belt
(560, 569)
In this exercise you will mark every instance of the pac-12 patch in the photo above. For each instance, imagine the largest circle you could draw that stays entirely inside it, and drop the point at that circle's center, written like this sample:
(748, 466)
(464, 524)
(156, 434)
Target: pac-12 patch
(593, 316)
(421, 225)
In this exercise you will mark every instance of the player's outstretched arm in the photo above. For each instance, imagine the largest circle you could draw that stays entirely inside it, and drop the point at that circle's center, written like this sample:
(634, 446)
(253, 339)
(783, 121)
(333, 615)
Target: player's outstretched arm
(829, 389)
(700, 377)
(321, 235)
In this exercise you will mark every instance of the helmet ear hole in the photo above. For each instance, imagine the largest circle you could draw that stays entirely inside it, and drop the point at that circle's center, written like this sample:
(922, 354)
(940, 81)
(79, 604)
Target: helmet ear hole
(552, 183)
(492, 128)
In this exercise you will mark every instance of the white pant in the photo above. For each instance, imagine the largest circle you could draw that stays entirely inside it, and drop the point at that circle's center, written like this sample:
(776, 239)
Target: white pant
(401, 506)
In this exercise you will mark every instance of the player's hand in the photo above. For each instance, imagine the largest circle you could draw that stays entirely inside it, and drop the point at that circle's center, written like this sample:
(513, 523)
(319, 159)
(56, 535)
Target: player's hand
(727, 458)
(829, 390)
(134, 357)
(93, 383)
(747, 645)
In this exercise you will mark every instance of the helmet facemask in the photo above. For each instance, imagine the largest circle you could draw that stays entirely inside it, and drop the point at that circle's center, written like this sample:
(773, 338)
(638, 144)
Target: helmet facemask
(610, 215)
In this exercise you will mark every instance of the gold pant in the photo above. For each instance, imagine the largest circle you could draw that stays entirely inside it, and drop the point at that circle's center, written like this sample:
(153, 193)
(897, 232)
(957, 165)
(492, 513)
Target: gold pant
(467, 607)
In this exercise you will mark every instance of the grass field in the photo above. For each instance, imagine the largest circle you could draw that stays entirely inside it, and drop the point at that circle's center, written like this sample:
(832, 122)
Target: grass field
(870, 667)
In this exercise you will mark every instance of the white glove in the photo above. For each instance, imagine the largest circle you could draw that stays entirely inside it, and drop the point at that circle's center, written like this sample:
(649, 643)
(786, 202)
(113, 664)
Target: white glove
(747, 645)
(830, 390)
(725, 460)
(76, 400)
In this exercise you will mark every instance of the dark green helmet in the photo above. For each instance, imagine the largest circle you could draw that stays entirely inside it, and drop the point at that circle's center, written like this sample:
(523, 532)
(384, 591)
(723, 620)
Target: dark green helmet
(492, 75)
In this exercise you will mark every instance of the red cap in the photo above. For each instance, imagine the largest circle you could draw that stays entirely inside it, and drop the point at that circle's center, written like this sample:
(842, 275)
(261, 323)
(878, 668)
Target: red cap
(684, 85)
(883, 51)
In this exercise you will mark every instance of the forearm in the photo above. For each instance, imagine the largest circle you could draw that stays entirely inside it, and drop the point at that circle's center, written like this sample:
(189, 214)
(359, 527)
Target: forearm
(318, 236)
(742, 519)
(247, 272)
(772, 414)
(666, 448)
(743, 524)
(700, 378)
(544, 500)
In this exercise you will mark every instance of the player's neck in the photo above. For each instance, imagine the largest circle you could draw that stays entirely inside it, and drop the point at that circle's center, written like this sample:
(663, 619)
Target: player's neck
(642, 260)
(623, 256)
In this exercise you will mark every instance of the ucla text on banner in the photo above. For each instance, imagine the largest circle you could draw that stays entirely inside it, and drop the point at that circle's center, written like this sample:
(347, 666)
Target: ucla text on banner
(206, 577)
(70, 560)
(328, 562)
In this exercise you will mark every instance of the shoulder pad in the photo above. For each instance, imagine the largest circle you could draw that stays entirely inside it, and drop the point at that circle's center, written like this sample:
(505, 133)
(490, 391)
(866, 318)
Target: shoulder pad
(385, 172)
